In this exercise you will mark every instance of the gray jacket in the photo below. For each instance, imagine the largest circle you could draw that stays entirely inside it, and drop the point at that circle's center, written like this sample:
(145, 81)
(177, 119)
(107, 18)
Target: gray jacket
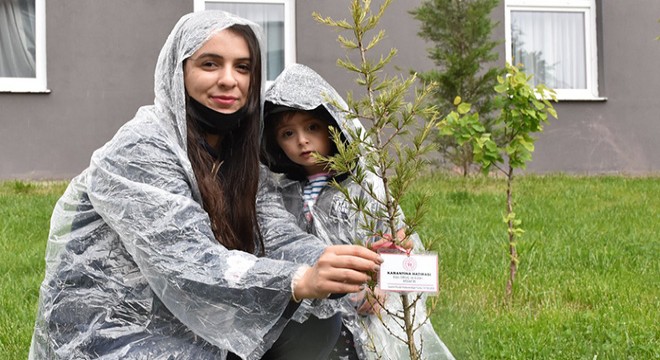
(133, 270)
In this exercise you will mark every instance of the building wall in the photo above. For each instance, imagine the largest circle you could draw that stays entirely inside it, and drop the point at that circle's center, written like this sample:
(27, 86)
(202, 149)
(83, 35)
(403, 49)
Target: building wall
(618, 135)
(318, 46)
(612, 136)
(101, 57)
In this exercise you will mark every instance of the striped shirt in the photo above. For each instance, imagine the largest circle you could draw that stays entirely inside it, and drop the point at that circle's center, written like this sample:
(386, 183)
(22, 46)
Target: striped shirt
(311, 191)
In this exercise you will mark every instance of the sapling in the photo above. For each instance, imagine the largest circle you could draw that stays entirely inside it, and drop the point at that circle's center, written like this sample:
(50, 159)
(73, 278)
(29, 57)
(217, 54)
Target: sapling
(392, 148)
(523, 111)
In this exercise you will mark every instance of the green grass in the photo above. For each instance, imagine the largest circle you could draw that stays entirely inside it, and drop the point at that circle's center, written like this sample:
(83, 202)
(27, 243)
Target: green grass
(588, 285)
(25, 210)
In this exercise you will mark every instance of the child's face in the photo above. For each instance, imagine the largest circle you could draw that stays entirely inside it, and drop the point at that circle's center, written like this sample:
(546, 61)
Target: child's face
(300, 134)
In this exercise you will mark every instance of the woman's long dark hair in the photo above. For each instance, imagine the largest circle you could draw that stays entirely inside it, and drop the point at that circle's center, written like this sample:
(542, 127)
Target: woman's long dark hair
(229, 196)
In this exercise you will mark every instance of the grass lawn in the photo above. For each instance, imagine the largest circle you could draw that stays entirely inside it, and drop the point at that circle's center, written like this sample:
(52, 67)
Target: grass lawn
(25, 211)
(588, 285)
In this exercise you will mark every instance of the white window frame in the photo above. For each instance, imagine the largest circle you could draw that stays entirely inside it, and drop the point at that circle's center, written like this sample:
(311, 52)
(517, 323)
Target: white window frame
(588, 8)
(36, 84)
(289, 22)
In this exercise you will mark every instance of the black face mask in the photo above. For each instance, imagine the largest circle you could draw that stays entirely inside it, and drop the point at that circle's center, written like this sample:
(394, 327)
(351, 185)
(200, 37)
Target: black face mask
(213, 122)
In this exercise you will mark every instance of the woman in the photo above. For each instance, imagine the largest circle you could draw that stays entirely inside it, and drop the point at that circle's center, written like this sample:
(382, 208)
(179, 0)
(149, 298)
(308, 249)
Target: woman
(152, 252)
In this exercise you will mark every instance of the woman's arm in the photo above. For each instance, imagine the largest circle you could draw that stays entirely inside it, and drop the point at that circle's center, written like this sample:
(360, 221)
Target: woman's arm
(336, 269)
(230, 298)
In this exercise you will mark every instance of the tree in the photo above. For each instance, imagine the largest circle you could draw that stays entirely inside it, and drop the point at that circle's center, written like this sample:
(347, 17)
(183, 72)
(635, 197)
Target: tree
(523, 112)
(391, 149)
(461, 33)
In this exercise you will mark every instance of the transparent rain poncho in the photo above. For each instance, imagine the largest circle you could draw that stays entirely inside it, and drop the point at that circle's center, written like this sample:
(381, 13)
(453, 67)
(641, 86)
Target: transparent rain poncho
(299, 87)
(133, 270)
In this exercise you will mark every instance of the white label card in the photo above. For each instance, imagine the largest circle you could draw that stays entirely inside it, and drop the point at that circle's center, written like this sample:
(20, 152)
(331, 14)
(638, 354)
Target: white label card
(409, 273)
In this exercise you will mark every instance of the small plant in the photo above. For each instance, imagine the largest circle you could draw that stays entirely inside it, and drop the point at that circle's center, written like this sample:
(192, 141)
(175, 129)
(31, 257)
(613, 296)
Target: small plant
(391, 149)
(523, 111)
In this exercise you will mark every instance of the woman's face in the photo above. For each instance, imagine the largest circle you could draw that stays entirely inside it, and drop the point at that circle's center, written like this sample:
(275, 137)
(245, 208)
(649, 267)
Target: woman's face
(218, 74)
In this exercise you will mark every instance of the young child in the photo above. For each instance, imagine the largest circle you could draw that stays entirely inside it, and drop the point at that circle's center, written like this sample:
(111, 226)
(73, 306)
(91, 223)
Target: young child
(298, 112)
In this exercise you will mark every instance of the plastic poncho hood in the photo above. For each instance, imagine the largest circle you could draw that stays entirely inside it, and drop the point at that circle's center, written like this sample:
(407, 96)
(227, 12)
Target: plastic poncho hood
(187, 36)
(300, 88)
(133, 270)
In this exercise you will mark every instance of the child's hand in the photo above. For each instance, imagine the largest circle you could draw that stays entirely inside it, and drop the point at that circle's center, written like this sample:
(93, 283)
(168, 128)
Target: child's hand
(386, 242)
(373, 302)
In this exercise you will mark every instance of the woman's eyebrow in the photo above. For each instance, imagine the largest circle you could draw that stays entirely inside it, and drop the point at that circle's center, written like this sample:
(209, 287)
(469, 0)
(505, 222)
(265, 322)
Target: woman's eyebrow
(208, 55)
(217, 56)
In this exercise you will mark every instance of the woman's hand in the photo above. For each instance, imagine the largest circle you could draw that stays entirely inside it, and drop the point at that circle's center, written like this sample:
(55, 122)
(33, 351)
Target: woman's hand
(340, 269)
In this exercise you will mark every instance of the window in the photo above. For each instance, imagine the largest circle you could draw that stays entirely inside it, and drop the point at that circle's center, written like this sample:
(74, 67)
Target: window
(276, 18)
(555, 40)
(23, 46)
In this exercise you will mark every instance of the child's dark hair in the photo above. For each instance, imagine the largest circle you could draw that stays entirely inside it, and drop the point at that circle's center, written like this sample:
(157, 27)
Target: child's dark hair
(272, 154)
